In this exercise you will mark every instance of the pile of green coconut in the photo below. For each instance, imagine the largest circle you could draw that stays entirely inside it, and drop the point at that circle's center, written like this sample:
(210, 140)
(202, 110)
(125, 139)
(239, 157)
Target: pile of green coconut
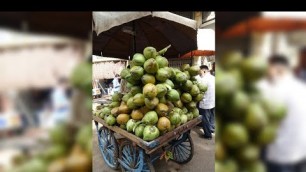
(160, 98)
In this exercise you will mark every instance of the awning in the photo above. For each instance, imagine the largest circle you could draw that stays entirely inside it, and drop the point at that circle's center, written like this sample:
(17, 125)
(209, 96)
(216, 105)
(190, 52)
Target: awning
(122, 34)
(96, 59)
(104, 21)
(106, 67)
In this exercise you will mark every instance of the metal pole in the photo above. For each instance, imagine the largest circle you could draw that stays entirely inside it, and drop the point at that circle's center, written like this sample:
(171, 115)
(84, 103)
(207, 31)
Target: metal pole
(134, 37)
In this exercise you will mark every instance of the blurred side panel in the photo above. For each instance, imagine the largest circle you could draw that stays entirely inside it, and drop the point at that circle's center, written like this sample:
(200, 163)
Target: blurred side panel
(45, 91)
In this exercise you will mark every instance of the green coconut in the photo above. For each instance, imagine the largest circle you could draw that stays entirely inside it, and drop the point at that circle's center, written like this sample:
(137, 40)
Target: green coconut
(135, 90)
(130, 79)
(162, 61)
(187, 74)
(195, 112)
(181, 77)
(150, 118)
(161, 90)
(151, 66)
(173, 95)
(137, 72)
(194, 90)
(162, 109)
(149, 91)
(185, 67)
(163, 100)
(169, 82)
(116, 97)
(171, 72)
(191, 105)
(150, 133)
(178, 104)
(138, 99)
(198, 98)
(150, 52)
(202, 87)
(126, 97)
(186, 98)
(130, 103)
(175, 118)
(124, 73)
(162, 75)
(187, 85)
(138, 59)
(194, 70)
(148, 78)
(151, 103)
(129, 85)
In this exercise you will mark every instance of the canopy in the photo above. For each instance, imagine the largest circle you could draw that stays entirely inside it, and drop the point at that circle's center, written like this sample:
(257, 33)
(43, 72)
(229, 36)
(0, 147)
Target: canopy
(265, 24)
(104, 21)
(198, 53)
(33, 61)
(72, 24)
(121, 34)
(105, 59)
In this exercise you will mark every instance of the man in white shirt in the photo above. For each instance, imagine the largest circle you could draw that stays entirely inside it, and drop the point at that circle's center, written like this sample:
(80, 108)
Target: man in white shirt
(288, 151)
(207, 105)
(301, 69)
(116, 83)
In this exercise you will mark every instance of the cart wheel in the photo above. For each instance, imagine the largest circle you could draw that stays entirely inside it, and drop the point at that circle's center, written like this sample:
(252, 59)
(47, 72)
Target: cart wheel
(108, 147)
(182, 149)
(133, 158)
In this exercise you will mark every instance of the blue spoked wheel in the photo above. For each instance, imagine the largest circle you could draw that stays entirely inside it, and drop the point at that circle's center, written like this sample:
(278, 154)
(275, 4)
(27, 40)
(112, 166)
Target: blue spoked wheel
(108, 147)
(182, 148)
(133, 158)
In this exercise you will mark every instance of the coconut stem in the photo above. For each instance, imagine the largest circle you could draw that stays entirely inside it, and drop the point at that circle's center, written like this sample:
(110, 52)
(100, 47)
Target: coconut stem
(164, 50)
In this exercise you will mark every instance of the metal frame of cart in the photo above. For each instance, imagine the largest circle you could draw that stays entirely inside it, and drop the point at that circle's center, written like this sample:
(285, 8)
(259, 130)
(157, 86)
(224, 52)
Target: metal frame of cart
(132, 153)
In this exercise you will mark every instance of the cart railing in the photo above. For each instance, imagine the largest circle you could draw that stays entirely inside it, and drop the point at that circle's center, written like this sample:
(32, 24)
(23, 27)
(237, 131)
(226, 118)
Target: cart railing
(153, 145)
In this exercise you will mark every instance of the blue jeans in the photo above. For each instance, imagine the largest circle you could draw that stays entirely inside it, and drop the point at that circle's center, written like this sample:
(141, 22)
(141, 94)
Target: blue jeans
(276, 167)
(208, 121)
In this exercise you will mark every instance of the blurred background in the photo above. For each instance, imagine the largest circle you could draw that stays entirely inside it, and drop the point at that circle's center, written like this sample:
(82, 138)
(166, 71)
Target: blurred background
(45, 99)
(260, 79)
(262, 33)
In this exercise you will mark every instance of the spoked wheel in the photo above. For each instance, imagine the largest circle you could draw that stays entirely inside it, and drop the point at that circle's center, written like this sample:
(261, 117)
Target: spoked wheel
(108, 147)
(182, 149)
(133, 158)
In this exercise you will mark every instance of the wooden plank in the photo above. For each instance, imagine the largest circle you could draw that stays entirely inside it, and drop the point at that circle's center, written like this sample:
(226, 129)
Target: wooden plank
(120, 131)
(154, 145)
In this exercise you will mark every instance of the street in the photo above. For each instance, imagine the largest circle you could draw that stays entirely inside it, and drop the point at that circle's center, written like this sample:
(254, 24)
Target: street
(203, 158)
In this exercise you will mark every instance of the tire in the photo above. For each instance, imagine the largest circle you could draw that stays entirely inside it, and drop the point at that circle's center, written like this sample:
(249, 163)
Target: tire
(133, 158)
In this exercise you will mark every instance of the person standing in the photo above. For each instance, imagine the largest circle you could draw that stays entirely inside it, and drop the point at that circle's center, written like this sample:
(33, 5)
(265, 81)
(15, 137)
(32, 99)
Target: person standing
(116, 84)
(212, 71)
(301, 69)
(60, 104)
(207, 105)
(287, 152)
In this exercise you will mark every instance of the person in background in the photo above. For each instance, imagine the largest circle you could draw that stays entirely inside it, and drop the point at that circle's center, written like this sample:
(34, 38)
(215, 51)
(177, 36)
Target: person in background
(10, 120)
(103, 85)
(60, 103)
(288, 151)
(301, 69)
(212, 71)
(116, 84)
(207, 105)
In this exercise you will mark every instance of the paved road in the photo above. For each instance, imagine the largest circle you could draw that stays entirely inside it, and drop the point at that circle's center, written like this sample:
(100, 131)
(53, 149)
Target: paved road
(203, 159)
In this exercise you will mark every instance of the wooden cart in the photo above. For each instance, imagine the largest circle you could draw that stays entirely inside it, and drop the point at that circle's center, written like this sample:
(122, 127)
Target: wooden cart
(119, 147)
